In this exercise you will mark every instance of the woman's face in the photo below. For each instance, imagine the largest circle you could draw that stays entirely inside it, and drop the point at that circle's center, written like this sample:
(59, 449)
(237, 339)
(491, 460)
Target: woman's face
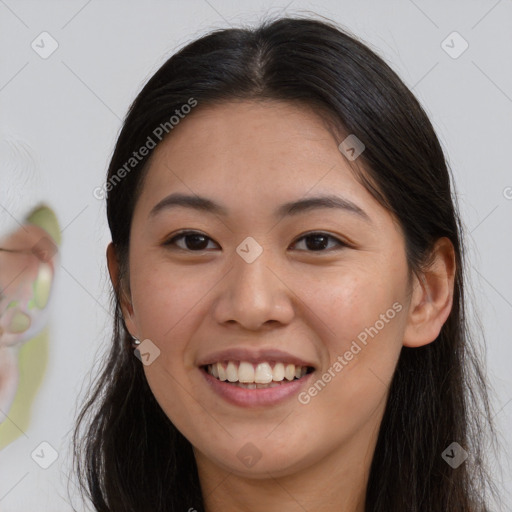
(266, 286)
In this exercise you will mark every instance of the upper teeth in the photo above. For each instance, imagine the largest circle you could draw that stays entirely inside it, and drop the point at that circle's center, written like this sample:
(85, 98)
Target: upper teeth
(261, 373)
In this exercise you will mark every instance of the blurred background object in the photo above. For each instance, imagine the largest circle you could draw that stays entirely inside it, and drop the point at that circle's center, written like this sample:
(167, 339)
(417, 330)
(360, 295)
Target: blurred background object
(28, 260)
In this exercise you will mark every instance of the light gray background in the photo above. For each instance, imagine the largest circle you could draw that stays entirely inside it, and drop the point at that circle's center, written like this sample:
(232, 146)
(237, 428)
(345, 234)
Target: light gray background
(67, 110)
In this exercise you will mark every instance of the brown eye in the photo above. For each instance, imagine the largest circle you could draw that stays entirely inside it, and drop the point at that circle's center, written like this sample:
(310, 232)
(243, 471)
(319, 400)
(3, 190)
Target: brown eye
(194, 241)
(318, 241)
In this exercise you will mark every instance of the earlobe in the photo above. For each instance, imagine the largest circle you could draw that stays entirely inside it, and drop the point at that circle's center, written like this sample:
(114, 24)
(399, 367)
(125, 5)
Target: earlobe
(432, 297)
(125, 303)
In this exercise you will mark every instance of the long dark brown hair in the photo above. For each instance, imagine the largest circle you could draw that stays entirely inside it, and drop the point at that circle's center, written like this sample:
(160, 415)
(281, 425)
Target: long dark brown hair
(129, 456)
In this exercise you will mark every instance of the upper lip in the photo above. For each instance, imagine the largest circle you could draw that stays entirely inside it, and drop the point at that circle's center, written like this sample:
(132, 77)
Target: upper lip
(253, 356)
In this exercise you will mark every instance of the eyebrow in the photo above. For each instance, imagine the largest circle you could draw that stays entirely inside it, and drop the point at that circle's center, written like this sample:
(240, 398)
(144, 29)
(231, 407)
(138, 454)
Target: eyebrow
(204, 204)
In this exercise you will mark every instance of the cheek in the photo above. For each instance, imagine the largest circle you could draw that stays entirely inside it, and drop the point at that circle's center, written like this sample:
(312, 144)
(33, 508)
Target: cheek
(163, 299)
(362, 327)
(347, 304)
(166, 304)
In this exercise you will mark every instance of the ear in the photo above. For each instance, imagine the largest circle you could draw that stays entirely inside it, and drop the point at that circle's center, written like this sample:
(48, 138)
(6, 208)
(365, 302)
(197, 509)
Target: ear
(119, 287)
(432, 297)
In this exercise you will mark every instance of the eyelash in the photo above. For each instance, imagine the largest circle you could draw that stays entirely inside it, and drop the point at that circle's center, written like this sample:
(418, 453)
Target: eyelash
(184, 234)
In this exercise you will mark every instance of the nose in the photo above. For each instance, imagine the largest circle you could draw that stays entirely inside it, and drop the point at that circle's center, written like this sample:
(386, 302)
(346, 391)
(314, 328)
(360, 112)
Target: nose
(255, 294)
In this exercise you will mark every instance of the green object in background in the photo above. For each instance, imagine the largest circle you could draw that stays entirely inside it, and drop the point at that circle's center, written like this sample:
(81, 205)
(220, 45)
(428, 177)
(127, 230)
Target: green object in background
(42, 286)
(20, 322)
(44, 217)
(32, 363)
(32, 355)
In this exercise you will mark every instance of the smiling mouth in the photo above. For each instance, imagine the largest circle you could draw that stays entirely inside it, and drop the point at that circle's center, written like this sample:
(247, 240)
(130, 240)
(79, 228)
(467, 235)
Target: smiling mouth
(256, 376)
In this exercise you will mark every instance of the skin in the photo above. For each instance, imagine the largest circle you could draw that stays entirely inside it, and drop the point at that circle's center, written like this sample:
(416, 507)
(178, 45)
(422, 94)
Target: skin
(251, 157)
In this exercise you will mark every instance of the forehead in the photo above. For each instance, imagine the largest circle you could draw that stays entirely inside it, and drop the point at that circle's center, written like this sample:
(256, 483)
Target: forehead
(259, 129)
(250, 153)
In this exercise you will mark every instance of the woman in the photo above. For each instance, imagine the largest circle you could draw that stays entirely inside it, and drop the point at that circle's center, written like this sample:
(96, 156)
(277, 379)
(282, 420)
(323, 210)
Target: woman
(287, 265)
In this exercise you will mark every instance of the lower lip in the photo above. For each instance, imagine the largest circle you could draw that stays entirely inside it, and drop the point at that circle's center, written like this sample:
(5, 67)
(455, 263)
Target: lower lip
(244, 397)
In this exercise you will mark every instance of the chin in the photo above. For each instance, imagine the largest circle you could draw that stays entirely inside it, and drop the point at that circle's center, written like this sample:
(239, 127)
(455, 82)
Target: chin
(259, 459)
